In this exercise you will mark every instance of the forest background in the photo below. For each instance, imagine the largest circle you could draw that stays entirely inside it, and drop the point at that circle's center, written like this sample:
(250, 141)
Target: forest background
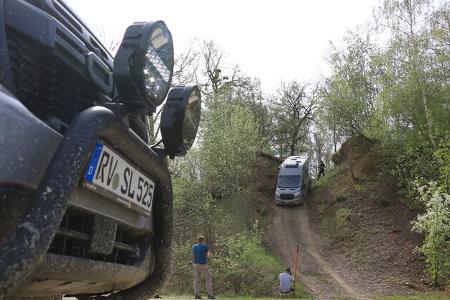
(389, 83)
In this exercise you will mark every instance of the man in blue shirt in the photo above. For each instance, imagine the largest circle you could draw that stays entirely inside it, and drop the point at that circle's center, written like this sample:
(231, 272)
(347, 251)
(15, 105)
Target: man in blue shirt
(200, 253)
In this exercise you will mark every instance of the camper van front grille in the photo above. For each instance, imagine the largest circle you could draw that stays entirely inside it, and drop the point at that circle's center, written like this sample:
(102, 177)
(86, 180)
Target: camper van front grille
(286, 196)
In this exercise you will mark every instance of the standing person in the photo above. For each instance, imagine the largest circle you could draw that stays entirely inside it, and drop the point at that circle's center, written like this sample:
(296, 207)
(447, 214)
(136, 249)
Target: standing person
(321, 169)
(200, 254)
(285, 282)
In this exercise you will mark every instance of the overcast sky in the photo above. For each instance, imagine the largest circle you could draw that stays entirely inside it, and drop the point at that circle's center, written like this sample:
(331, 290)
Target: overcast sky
(271, 40)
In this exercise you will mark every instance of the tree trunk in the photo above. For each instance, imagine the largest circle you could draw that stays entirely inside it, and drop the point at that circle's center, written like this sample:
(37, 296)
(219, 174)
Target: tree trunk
(292, 149)
(334, 139)
(428, 119)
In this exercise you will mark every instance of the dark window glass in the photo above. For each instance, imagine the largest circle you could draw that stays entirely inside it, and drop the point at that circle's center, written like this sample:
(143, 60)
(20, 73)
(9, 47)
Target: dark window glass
(292, 181)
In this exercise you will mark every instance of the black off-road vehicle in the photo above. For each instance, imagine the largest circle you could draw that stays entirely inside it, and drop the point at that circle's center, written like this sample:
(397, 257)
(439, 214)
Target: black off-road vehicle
(85, 202)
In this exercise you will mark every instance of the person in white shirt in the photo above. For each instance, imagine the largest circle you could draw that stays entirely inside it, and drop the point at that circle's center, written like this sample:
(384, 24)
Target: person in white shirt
(285, 282)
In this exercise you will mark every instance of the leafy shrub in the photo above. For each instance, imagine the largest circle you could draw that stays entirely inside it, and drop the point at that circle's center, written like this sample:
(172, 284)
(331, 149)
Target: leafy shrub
(229, 145)
(360, 188)
(235, 263)
(435, 224)
(182, 269)
(442, 158)
(417, 161)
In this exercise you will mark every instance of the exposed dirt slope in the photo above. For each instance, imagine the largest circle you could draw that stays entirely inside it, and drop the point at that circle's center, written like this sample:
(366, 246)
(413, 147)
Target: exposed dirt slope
(365, 227)
(354, 232)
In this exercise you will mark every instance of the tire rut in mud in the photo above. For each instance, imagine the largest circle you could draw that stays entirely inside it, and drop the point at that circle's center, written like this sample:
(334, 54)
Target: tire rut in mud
(289, 227)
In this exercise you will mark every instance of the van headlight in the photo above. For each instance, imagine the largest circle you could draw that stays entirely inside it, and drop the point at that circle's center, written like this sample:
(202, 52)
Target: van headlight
(143, 65)
(277, 195)
(297, 195)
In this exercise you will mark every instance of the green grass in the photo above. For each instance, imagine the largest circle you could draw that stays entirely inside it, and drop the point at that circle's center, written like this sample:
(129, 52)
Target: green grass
(300, 293)
(431, 296)
(325, 180)
(227, 297)
(342, 214)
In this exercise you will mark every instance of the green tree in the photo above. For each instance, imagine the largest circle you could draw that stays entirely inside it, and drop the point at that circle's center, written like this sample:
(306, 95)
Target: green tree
(415, 95)
(349, 94)
(435, 225)
(293, 113)
(230, 140)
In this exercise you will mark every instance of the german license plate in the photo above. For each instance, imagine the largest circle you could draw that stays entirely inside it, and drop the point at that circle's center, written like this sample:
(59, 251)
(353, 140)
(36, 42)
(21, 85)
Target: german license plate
(111, 173)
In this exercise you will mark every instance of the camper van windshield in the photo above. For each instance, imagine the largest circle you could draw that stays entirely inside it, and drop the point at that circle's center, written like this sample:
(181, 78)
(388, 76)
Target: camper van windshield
(289, 181)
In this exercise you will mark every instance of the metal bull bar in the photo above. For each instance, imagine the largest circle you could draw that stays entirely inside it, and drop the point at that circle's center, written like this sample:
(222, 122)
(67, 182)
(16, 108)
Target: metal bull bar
(27, 246)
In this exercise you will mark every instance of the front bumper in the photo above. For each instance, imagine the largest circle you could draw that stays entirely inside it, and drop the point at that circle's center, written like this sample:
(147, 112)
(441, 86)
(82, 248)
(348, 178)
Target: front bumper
(27, 146)
(37, 158)
(293, 201)
(289, 202)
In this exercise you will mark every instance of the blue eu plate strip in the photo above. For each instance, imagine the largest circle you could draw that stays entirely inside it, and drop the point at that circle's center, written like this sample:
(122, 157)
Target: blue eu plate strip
(94, 161)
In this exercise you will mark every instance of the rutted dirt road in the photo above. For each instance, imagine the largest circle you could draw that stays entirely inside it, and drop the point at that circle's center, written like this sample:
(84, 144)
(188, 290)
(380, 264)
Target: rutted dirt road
(289, 227)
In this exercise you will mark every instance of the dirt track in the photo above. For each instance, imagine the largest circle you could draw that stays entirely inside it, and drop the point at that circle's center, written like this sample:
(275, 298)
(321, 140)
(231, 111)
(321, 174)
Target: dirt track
(288, 227)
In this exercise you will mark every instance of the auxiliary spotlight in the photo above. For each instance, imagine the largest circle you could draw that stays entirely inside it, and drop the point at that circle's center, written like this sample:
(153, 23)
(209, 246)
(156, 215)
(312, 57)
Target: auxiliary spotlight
(143, 65)
(180, 118)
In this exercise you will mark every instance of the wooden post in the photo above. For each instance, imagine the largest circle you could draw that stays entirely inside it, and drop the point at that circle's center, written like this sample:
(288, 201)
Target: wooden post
(295, 267)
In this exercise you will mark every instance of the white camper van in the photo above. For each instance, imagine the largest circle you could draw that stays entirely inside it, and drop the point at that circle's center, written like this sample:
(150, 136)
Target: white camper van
(294, 180)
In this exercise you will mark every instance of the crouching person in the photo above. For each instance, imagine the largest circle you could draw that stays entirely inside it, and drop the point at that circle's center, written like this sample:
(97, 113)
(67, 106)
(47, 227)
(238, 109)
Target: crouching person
(285, 281)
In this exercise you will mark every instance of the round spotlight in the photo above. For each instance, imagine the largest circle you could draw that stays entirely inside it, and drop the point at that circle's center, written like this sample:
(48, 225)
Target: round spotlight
(143, 65)
(180, 119)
